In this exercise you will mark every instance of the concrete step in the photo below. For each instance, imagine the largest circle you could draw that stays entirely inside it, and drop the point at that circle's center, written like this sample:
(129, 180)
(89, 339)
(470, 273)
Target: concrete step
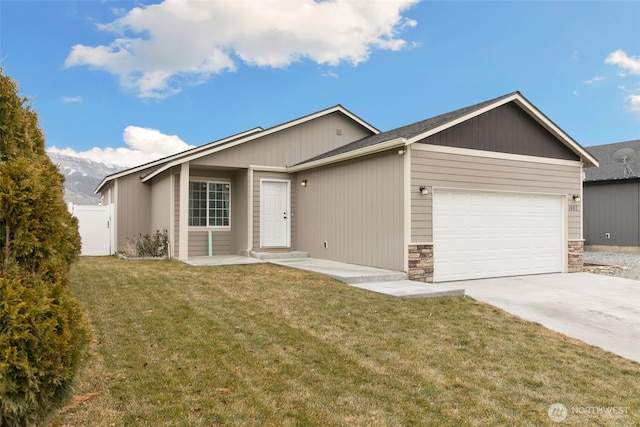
(390, 276)
(410, 289)
(279, 255)
(346, 273)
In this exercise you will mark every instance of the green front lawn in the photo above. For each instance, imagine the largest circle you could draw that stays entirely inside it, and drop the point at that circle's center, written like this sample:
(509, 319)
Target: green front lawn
(264, 345)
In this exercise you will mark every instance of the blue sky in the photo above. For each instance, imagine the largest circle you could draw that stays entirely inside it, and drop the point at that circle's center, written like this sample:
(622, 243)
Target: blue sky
(128, 81)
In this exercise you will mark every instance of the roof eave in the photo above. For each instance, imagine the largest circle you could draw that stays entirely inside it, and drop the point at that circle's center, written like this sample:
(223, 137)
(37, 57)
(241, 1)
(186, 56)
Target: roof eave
(587, 159)
(365, 151)
(167, 159)
(102, 184)
(610, 180)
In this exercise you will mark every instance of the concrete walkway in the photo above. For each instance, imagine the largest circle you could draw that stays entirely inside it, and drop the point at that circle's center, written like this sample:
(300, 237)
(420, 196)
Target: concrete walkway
(600, 310)
(379, 280)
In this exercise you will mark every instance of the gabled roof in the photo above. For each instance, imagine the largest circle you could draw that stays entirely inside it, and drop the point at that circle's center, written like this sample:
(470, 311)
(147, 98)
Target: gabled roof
(612, 167)
(166, 163)
(379, 141)
(164, 160)
(418, 131)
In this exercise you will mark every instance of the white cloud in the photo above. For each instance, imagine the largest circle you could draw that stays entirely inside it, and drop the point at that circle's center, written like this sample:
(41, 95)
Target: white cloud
(145, 145)
(159, 48)
(634, 104)
(331, 74)
(71, 99)
(627, 64)
(593, 80)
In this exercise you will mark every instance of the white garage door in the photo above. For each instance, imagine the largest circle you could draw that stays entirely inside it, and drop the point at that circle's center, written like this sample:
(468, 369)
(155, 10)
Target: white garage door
(484, 234)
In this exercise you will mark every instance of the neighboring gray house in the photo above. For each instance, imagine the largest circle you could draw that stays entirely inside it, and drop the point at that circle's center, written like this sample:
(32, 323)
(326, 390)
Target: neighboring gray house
(612, 196)
(483, 191)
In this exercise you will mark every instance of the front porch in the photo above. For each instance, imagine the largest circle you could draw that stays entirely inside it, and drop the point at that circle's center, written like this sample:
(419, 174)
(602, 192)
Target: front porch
(227, 212)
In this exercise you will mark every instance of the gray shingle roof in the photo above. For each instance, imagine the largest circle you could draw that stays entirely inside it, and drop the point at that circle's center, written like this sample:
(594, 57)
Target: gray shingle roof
(610, 169)
(410, 130)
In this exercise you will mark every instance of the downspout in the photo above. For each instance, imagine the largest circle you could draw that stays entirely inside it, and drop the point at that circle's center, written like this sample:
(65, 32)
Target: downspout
(638, 210)
(406, 195)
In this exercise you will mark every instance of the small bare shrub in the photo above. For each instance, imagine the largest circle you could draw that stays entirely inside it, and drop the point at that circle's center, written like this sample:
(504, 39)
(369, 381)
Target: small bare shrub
(147, 245)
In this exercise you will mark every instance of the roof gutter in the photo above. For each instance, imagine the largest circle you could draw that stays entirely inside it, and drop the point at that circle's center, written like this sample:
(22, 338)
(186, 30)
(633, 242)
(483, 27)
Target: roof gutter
(377, 148)
(611, 180)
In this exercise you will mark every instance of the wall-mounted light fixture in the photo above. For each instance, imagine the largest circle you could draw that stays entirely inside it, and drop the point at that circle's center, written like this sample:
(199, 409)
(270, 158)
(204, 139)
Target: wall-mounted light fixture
(424, 190)
(401, 151)
(576, 197)
(303, 183)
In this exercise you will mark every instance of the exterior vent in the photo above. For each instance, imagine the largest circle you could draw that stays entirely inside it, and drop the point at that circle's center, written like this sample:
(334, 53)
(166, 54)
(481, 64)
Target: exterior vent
(338, 131)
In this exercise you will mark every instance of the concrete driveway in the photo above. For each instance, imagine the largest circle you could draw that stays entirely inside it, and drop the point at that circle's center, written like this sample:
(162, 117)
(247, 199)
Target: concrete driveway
(600, 310)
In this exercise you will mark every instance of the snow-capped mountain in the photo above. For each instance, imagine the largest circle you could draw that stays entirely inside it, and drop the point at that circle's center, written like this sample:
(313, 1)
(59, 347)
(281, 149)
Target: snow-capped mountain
(82, 176)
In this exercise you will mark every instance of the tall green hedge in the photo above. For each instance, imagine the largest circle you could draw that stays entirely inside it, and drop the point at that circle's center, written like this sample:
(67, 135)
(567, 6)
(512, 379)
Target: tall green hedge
(43, 336)
(43, 341)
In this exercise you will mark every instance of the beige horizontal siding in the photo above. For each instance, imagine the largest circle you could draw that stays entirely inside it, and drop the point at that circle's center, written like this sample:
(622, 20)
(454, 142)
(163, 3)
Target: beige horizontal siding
(199, 242)
(446, 170)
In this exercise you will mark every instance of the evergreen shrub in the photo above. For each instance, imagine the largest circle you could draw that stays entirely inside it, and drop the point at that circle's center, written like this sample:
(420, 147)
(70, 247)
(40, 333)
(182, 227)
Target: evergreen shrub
(43, 340)
(43, 336)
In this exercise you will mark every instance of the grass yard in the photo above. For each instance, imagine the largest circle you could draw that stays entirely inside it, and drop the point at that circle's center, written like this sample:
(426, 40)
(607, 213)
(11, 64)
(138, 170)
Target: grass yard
(262, 345)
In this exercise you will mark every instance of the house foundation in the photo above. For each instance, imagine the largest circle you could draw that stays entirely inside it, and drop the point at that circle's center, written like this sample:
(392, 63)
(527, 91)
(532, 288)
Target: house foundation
(421, 260)
(576, 256)
(421, 263)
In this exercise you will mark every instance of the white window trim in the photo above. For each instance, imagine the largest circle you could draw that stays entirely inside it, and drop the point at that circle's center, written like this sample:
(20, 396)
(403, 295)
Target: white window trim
(210, 181)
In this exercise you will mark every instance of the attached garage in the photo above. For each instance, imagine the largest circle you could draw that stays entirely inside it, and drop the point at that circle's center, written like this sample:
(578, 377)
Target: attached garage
(479, 234)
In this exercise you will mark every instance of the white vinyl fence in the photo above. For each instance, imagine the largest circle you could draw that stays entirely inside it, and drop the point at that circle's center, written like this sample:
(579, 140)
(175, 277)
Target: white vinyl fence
(96, 230)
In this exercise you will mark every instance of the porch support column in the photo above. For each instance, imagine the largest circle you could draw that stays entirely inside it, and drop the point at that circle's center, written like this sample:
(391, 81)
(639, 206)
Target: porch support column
(183, 241)
(249, 211)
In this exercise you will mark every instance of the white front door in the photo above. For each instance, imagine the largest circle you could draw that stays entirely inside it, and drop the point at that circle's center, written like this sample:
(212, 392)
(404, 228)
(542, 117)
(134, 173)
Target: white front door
(274, 214)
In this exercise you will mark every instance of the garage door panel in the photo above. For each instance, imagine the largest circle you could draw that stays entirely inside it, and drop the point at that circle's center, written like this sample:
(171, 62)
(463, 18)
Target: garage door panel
(483, 234)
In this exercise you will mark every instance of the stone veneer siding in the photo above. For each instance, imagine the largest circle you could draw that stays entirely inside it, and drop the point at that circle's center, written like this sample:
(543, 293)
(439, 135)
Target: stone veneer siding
(576, 256)
(421, 263)
(421, 260)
